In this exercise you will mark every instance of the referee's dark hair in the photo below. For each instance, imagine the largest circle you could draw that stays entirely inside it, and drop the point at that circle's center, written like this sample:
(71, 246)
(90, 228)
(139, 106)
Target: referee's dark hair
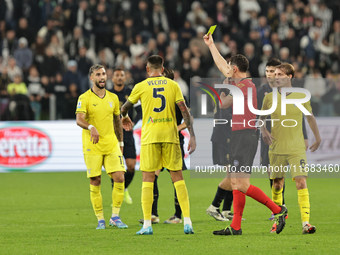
(274, 62)
(169, 73)
(95, 68)
(155, 62)
(241, 62)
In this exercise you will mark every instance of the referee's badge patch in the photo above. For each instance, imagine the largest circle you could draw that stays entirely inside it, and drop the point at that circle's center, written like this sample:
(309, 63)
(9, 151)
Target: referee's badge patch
(236, 163)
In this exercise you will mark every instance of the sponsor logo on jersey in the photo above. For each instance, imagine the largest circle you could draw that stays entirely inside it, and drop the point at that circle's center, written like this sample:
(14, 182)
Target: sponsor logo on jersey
(23, 146)
(160, 120)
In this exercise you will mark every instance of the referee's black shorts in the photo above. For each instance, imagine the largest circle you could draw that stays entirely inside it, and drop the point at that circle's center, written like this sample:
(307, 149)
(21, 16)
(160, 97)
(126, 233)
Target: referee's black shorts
(243, 150)
(129, 150)
(221, 153)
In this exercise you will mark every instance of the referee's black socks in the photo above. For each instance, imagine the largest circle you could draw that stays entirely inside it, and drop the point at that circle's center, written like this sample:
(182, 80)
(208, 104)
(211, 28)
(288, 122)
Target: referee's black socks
(220, 195)
(128, 178)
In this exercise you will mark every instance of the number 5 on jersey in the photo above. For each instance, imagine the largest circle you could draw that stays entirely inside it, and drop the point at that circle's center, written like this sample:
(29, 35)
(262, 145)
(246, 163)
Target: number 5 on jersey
(162, 97)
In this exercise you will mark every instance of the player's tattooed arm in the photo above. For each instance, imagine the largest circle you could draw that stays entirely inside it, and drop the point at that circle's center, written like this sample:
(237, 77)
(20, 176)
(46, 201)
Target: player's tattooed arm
(126, 121)
(125, 108)
(186, 117)
(118, 127)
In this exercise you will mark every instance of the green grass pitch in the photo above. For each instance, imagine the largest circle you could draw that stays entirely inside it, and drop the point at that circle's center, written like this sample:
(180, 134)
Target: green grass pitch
(51, 213)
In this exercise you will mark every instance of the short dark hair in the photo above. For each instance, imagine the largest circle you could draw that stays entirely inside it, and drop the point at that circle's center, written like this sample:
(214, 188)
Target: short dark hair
(169, 73)
(155, 62)
(95, 68)
(274, 62)
(118, 69)
(241, 62)
(287, 68)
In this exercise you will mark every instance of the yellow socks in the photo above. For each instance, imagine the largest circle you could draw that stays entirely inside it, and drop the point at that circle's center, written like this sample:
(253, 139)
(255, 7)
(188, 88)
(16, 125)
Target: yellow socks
(147, 200)
(183, 198)
(303, 200)
(277, 196)
(97, 201)
(117, 197)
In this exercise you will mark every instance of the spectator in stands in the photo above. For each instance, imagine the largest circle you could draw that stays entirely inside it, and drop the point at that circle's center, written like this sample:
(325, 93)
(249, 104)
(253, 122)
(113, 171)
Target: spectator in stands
(246, 7)
(182, 84)
(4, 81)
(72, 98)
(264, 29)
(50, 29)
(51, 64)
(123, 61)
(23, 30)
(84, 64)
(17, 86)
(9, 43)
(45, 101)
(327, 106)
(106, 58)
(23, 56)
(194, 70)
(334, 37)
(223, 17)
(161, 43)
(12, 69)
(197, 41)
(144, 21)
(118, 44)
(186, 34)
(35, 91)
(284, 55)
(273, 18)
(173, 42)
(159, 18)
(171, 59)
(317, 87)
(46, 10)
(138, 70)
(101, 27)
(82, 17)
(283, 28)
(72, 76)
(254, 61)
(129, 31)
(60, 91)
(77, 41)
(292, 42)
(197, 15)
(137, 48)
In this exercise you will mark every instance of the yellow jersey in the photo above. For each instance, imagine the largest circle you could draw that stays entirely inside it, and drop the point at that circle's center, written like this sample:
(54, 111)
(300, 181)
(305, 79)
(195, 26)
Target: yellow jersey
(99, 113)
(286, 129)
(158, 96)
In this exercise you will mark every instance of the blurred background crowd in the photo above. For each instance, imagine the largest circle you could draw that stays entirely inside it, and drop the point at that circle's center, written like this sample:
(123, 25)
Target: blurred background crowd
(48, 46)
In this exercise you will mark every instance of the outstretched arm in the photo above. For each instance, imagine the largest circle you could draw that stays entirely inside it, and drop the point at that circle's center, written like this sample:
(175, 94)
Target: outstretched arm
(186, 117)
(314, 127)
(220, 62)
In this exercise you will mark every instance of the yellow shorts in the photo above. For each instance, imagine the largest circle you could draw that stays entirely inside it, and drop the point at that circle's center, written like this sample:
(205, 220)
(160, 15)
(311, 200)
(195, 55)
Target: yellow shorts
(279, 165)
(112, 163)
(155, 156)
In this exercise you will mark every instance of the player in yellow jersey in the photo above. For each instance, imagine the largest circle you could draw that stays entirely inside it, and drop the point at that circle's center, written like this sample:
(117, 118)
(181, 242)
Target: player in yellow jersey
(160, 145)
(287, 144)
(99, 116)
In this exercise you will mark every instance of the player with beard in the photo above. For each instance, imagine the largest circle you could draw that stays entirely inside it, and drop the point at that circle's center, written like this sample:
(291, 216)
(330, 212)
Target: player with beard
(129, 151)
(98, 115)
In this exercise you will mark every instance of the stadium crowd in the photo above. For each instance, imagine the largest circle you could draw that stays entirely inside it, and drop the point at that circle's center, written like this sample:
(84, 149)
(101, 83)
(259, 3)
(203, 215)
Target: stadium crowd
(48, 46)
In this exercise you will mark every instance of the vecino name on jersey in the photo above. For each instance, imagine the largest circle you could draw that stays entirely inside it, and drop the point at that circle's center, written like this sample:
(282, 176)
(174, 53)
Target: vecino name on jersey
(157, 82)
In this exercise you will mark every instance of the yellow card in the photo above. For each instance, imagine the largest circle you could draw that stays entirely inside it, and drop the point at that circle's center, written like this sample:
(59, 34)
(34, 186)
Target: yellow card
(211, 29)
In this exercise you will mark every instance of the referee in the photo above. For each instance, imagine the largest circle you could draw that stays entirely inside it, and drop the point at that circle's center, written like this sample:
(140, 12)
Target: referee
(129, 151)
(244, 141)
